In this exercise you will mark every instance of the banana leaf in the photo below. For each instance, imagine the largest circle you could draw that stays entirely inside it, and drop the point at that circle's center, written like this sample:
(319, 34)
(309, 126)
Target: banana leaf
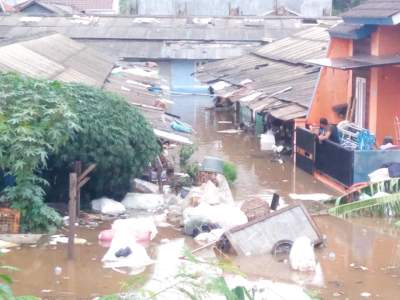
(391, 186)
(388, 205)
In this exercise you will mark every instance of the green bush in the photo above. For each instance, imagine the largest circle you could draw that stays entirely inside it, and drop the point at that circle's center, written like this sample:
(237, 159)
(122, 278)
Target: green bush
(230, 172)
(35, 120)
(45, 126)
(113, 134)
(185, 154)
(193, 170)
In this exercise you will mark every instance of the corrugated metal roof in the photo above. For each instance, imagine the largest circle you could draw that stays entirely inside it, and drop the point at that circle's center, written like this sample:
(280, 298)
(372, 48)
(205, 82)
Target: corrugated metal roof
(299, 47)
(278, 73)
(357, 62)
(55, 57)
(374, 9)
(107, 27)
(148, 49)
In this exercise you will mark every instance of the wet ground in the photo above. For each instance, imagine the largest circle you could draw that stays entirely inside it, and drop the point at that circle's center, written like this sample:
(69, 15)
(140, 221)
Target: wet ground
(362, 256)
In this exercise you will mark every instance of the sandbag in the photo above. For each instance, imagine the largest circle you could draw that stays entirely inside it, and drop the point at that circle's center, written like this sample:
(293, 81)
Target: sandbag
(302, 256)
(143, 201)
(108, 206)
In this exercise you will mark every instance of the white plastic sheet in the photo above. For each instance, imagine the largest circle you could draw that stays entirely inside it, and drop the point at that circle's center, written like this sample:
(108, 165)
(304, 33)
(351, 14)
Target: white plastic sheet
(135, 227)
(379, 175)
(143, 201)
(302, 256)
(137, 260)
(311, 197)
(226, 216)
(108, 206)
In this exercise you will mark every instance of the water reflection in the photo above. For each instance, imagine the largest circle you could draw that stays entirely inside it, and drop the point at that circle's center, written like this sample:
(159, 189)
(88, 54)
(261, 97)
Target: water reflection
(257, 172)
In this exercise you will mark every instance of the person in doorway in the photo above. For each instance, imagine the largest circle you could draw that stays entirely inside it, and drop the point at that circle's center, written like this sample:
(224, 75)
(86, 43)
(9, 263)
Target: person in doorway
(387, 143)
(328, 131)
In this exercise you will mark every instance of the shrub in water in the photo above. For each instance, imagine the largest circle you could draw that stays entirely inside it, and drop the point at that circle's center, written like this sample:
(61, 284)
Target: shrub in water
(230, 172)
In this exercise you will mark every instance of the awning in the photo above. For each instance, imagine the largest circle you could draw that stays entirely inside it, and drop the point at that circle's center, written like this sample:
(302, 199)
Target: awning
(289, 112)
(351, 31)
(356, 62)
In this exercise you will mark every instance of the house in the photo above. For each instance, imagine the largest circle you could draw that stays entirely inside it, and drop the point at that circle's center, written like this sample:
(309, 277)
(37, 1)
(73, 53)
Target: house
(159, 38)
(273, 85)
(98, 7)
(68, 7)
(224, 8)
(5, 7)
(35, 7)
(358, 84)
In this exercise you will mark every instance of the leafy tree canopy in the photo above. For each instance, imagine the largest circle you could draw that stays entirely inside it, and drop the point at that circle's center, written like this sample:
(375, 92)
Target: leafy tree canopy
(45, 126)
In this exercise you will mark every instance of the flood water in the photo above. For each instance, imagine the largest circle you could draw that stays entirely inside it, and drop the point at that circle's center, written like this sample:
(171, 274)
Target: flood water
(361, 256)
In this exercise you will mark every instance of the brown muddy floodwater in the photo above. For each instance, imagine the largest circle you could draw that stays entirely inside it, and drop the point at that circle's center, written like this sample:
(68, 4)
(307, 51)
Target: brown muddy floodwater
(361, 256)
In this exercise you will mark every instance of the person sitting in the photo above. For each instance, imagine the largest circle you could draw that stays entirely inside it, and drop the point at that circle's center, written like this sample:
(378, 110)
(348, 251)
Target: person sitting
(328, 132)
(387, 143)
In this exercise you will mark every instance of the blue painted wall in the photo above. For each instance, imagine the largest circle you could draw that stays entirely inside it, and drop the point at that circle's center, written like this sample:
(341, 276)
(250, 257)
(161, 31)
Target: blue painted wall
(365, 162)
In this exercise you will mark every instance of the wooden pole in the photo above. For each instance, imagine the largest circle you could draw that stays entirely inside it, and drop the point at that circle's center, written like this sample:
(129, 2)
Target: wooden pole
(78, 171)
(73, 180)
(159, 171)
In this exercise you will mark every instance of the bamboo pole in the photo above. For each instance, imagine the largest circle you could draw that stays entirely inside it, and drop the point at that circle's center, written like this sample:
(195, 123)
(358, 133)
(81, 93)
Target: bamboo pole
(72, 214)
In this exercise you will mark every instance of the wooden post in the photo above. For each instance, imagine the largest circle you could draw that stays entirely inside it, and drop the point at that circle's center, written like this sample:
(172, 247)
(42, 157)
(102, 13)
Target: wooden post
(78, 171)
(73, 180)
(159, 171)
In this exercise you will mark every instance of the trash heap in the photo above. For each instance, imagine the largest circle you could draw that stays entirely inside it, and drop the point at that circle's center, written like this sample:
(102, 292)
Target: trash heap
(208, 213)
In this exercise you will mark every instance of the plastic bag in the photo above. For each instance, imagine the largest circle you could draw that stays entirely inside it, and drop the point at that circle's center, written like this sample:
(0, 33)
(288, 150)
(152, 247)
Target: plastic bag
(226, 216)
(267, 141)
(302, 256)
(108, 206)
(135, 227)
(143, 201)
(137, 260)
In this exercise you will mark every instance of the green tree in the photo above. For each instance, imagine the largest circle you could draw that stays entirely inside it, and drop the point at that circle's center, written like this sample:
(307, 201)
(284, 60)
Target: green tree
(113, 134)
(45, 126)
(34, 121)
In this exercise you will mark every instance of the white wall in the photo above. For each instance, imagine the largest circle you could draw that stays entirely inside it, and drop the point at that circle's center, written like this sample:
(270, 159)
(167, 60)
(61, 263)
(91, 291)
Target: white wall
(308, 8)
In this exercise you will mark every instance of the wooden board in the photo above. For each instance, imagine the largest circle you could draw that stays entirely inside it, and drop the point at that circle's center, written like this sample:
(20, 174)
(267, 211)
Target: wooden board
(259, 236)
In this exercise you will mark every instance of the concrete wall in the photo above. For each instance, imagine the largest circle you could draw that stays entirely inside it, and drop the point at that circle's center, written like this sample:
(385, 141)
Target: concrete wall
(334, 86)
(307, 8)
(384, 102)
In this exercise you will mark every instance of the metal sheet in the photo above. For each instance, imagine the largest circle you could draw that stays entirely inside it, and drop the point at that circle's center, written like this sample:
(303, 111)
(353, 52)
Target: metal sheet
(55, 57)
(356, 62)
(260, 236)
(374, 9)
